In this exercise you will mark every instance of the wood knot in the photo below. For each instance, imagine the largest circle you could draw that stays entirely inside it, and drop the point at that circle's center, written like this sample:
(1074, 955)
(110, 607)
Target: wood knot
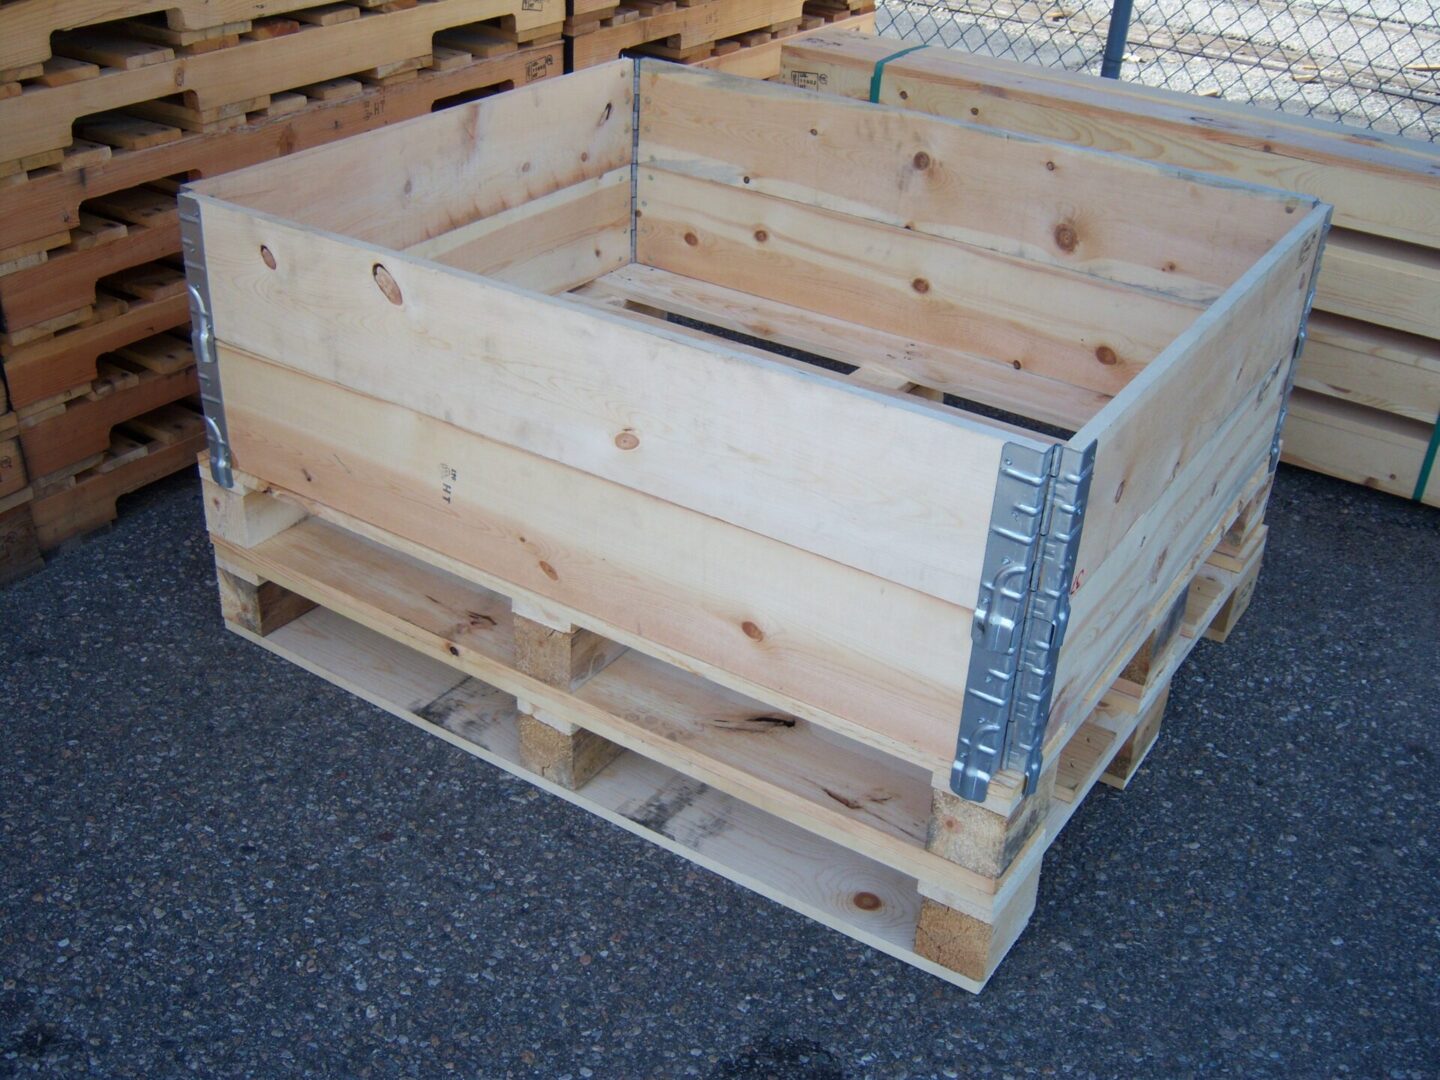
(921, 161)
(387, 284)
(1120, 491)
(1066, 238)
(904, 95)
(267, 256)
(975, 111)
(753, 632)
(1050, 166)
(691, 239)
(1106, 356)
(548, 571)
(627, 440)
(866, 901)
(920, 285)
(761, 236)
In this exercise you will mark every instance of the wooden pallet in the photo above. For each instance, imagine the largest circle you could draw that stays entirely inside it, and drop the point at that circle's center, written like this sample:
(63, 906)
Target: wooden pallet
(136, 379)
(27, 25)
(757, 59)
(680, 33)
(44, 369)
(738, 513)
(845, 835)
(142, 450)
(221, 87)
(1370, 373)
(65, 286)
(50, 202)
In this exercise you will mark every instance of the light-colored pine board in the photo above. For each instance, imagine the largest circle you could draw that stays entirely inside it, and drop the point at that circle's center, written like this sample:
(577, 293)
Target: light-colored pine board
(1361, 445)
(948, 370)
(941, 178)
(1081, 330)
(792, 453)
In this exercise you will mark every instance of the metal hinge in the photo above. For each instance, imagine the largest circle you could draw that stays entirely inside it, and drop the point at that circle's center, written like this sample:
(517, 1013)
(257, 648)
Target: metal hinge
(1021, 614)
(202, 338)
(1299, 345)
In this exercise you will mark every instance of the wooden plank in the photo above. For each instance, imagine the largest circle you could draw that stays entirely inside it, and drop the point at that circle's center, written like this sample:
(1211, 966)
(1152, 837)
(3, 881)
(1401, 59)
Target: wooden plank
(783, 449)
(950, 371)
(1378, 184)
(681, 586)
(1118, 604)
(1381, 281)
(1361, 445)
(1371, 366)
(413, 182)
(40, 121)
(1084, 331)
(550, 244)
(1038, 200)
(1162, 421)
(821, 880)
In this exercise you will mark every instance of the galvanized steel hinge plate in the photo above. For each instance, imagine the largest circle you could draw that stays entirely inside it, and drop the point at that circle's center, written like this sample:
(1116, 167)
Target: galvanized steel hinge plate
(1021, 614)
(202, 338)
(1299, 344)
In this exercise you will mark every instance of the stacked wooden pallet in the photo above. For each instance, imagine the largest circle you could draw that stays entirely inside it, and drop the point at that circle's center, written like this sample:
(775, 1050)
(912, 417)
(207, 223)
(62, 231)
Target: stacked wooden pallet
(795, 607)
(690, 31)
(1367, 402)
(102, 124)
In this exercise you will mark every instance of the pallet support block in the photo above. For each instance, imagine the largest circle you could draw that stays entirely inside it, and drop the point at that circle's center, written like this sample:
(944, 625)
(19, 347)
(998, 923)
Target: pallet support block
(557, 652)
(1126, 762)
(978, 837)
(258, 606)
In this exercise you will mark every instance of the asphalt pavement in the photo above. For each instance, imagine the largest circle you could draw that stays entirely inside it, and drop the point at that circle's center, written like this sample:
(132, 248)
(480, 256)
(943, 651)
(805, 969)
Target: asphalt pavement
(214, 864)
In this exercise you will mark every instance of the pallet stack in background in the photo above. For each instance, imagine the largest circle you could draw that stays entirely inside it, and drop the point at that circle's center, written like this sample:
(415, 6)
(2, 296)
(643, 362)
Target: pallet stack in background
(102, 121)
(696, 31)
(1366, 407)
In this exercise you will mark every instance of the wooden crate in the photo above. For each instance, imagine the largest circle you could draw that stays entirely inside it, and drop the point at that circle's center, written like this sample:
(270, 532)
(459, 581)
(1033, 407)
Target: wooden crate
(461, 377)
(1368, 385)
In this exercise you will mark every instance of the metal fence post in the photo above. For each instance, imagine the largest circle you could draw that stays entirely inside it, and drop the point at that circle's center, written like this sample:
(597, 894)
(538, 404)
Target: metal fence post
(1115, 39)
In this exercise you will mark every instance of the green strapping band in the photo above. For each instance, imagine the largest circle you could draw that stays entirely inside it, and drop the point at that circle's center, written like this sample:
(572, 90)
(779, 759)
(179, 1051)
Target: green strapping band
(879, 72)
(1428, 463)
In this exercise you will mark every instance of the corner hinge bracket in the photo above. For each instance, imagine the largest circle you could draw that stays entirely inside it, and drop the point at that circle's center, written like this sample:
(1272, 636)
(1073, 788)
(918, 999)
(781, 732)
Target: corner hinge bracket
(1021, 614)
(202, 339)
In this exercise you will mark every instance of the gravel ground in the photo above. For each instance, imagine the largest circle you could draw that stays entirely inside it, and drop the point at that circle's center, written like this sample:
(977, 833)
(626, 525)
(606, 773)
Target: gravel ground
(213, 864)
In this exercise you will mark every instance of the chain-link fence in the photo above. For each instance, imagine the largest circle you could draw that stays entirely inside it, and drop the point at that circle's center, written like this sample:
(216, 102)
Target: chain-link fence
(1370, 63)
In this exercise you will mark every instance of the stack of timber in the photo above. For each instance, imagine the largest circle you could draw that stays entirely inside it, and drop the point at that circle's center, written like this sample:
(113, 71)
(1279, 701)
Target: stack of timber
(1367, 402)
(104, 123)
(765, 611)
